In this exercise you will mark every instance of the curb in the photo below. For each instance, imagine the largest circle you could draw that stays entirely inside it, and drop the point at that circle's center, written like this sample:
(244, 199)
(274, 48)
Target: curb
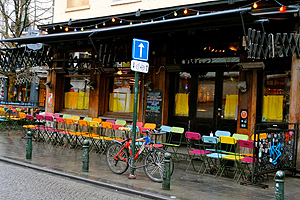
(111, 186)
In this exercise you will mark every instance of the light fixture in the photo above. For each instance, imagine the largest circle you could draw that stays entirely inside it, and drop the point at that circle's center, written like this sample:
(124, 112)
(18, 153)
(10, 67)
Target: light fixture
(185, 11)
(255, 5)
(282, 9)
(175, 13)
(121, 21)
(82, 29)
(66, 29)
(96, 26)
(103, 24)
(113, 19)
(138, 13)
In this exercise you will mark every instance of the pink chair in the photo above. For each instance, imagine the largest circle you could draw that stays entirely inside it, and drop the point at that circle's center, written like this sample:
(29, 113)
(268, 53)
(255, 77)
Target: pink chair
(246, 150)
(41, 135)
(194, 138)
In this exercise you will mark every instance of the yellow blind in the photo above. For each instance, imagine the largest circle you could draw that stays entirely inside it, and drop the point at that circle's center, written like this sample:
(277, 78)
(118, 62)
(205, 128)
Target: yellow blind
(182, 104)
(230, 104)
(273, 107)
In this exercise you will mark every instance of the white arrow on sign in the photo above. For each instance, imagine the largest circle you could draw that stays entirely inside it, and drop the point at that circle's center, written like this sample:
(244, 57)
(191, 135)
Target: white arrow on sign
(141, 49)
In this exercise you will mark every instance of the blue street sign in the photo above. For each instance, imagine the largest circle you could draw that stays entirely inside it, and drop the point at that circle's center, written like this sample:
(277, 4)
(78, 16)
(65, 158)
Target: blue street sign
(140, 49)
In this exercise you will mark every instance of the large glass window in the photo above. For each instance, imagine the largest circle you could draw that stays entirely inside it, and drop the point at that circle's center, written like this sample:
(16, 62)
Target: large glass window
(276, 96)
(182, 96)
(230, 95)
(77, 94)
(121, 98)
(206, 94)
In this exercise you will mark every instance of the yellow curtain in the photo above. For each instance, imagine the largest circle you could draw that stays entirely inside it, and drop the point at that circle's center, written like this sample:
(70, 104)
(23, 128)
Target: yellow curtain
(182, 104)
(83, 100)
(67, 105)
(230, 105)
(120, 102)
(273, 107)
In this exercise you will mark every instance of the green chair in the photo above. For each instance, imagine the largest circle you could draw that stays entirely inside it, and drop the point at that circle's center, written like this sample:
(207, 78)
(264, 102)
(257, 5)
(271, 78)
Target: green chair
(177, 133)
(67, 116)
(238, 136)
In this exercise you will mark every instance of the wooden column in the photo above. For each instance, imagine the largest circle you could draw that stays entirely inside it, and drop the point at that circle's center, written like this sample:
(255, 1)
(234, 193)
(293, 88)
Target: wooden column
(294, 110)
(94, 99)
(247, 100)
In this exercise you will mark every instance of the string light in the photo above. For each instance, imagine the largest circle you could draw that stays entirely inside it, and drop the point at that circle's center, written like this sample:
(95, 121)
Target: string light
(255, 5)
(282, 9)
(60, 27)
(130, 23)
(82, 29)
(53, 28)
(113, 19)
(75, 30)
(96, 26)
(121, 21)
(103, 24)
(175, 13)
(66, 29)
(185, 11)
(164, 18)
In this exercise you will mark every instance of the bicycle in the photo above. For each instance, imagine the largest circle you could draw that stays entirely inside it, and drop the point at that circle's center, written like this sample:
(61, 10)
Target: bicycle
(119, 153)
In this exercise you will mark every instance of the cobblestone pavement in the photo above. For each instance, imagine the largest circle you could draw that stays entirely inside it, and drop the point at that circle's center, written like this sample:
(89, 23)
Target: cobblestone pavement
(22, 183)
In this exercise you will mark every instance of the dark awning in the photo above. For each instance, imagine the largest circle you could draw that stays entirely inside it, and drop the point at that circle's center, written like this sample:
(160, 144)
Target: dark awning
(69, 36)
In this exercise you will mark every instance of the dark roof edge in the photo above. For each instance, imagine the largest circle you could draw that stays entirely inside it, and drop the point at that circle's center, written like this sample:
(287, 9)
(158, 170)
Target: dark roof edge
(45, 38)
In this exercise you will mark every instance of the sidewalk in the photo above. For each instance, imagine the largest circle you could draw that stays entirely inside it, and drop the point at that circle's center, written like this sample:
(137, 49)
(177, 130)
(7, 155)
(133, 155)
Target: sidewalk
(184, 185)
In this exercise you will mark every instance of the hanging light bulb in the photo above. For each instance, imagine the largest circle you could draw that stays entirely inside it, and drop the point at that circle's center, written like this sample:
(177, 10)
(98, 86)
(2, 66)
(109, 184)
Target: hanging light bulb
(60, 27)
(82, 29)
(54, 28)
(75, 30)
(141, 22)
(130, 23)
(198, 13)
(152, 20)
(282, 9)
(66, 29)
(113, 19)
(175, 13)
(255, 5)
(164, 18)
(185, 11)
(121, 21)
(96, 26)
(103, 24)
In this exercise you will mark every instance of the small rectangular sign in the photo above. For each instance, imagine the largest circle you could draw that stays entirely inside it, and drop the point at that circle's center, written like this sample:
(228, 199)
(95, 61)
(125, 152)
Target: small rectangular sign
(139, 66)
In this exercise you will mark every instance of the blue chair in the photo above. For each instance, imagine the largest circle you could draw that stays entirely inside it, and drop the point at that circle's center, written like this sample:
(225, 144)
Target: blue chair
(219, 133)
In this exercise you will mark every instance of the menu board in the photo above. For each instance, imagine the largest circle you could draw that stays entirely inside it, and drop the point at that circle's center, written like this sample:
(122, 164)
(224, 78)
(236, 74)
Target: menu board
(154, 107)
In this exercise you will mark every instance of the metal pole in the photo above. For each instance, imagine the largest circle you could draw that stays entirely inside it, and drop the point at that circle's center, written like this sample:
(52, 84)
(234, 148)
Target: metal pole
(279, 185)
(29, 145)
(133, 132)
(85, 156)
(167, 172)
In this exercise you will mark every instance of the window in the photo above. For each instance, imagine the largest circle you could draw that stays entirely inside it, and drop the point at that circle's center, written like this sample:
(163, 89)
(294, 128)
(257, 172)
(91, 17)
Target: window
(206, 94)
(77, 93)
(121, 96)
(77, 3)
(276, 96)
(230, 95)
(182, 96)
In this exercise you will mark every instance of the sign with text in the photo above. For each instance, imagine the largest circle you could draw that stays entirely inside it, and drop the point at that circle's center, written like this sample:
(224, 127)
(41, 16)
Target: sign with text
(153, 112)
(139, 66)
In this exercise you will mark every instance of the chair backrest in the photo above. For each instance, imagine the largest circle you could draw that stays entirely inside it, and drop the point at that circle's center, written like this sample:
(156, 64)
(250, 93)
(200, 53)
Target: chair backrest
(175, 129)
(117, 126)
(29, 117)
(94, 124)
(69, 121)
(120, 122)
(56, 115)
(192, 135)
(48, 114)
(210, 139)
(219, 133)
(106, 125)
(88, 119)
(238, 136)
(49, 118)
(246, 144)
(111, 121)
(99, 120)
(150, 125)
(227, 140)
(39, 117)
(139, 124)
(137, 128)
(65, 116)
(75, 117)
(165, 129)
(83, 123)
(261, 136)
(60, 120)
(22, 115)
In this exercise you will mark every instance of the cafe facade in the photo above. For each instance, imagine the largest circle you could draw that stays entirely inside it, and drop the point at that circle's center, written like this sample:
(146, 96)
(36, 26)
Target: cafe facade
(214, 65)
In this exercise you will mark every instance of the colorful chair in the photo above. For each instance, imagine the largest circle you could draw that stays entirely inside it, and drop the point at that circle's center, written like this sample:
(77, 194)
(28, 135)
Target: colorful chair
(175, 132)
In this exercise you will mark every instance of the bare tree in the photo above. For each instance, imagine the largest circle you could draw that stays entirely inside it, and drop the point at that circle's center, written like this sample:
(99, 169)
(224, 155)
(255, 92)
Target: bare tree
(18, 15)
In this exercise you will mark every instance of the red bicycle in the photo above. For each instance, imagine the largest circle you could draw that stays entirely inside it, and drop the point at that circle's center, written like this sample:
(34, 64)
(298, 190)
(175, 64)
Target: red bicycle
(118, 157)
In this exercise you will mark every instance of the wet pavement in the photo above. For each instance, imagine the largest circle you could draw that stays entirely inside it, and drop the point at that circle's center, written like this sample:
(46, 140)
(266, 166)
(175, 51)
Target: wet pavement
(184, 185)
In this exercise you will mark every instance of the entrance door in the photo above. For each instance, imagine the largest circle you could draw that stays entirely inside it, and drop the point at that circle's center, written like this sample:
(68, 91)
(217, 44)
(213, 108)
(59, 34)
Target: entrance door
(204, 101)
(217, 100)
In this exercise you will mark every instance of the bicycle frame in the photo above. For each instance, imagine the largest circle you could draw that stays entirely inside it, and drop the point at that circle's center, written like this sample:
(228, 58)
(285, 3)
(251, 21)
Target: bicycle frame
(127, 145)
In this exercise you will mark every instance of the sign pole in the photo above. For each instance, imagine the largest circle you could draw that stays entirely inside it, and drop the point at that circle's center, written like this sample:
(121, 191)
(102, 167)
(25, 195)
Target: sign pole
(133, 133)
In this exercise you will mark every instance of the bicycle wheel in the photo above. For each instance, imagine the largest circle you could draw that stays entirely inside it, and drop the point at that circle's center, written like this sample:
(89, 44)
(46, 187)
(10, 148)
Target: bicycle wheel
(154, 165)
(118, 164)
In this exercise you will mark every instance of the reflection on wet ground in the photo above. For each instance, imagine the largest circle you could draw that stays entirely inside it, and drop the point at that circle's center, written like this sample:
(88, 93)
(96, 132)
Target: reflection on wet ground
(184, 185)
